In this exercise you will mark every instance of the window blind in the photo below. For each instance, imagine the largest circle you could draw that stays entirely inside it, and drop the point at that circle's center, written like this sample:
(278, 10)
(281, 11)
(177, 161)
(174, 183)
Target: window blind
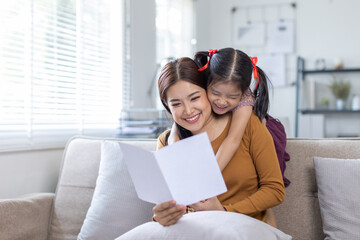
(61, 69)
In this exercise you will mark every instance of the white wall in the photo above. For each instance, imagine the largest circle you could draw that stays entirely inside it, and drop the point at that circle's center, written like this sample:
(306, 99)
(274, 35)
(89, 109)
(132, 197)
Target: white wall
(143, 52)
(216, 32)
(23, 172)
(329, 29)
(326, 29)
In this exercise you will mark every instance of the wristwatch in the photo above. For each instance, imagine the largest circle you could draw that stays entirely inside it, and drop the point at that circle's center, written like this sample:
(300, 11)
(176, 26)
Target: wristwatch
(189, 209)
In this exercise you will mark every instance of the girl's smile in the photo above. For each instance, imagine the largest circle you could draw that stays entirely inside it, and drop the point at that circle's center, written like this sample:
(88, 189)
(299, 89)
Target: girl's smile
(223, 96)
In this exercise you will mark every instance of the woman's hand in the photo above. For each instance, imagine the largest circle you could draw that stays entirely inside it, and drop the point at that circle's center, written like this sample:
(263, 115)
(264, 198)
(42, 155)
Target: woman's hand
(168, 213)
(208, 205)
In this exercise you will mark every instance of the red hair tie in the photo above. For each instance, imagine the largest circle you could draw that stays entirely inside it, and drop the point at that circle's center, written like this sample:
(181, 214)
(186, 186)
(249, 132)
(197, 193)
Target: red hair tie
(211, 53)
(255, 71)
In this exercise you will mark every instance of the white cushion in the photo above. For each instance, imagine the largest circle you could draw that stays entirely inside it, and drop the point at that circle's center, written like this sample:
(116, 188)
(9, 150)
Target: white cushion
(208, 225)
(338, 182)
(115, 207)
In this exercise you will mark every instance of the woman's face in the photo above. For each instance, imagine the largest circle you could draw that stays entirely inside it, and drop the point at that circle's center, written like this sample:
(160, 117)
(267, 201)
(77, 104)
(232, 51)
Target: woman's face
(189, 106)
(223, 96)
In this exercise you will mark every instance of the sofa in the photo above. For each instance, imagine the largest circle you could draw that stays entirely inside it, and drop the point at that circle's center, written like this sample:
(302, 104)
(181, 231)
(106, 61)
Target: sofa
(61, 215)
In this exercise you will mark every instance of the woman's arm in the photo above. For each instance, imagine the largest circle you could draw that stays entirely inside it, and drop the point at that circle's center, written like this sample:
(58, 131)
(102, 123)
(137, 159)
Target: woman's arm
(211, 204)
(270, 218)
(271, 190)
(232, 142)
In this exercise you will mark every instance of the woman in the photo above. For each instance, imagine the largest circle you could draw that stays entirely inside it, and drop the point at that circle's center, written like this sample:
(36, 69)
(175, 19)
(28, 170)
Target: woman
(252, 176)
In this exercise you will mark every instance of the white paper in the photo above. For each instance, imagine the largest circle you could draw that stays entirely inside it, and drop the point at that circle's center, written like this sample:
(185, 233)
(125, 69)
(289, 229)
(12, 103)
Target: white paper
(186, 171)
(281, 36)
(274, 68)
(249, 35)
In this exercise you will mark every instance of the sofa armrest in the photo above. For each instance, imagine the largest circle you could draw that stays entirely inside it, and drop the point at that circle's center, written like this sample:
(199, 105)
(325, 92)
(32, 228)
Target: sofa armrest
(26, 217)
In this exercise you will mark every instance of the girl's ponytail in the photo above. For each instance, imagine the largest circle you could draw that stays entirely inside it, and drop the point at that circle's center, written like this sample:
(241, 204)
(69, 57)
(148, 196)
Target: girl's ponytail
(201, 58)
(261, 94)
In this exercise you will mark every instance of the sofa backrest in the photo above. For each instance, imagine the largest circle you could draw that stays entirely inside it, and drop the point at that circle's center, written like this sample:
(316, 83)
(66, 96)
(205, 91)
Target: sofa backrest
(77, 180)
(299, 215)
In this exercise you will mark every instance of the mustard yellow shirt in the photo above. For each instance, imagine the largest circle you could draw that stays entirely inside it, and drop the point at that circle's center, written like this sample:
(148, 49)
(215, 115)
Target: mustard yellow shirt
(253, 176)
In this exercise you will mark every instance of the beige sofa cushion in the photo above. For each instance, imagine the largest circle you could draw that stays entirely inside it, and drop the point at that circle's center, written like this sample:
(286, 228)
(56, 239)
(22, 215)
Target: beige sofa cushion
(76, 184)
(26, 217)
(299, 215)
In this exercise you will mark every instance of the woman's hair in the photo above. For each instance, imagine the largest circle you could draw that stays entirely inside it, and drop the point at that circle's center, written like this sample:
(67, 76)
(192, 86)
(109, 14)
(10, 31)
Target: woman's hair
(182, 69)
(231, 65)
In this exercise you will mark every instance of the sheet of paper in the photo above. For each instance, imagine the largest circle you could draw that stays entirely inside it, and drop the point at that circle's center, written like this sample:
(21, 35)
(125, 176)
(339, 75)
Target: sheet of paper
(145, 173)
(191, 170)
(185, 171)
(281, 36)
(249, 34)
(274, 66)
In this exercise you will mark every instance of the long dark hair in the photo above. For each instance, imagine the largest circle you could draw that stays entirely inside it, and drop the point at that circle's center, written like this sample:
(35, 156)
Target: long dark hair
(182, 69)
(229, 64)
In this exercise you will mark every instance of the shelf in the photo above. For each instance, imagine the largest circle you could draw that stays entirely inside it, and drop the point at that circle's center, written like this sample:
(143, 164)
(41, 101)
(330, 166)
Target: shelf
(143, 123)
(345, 70)
(327, 111)
(301, 98)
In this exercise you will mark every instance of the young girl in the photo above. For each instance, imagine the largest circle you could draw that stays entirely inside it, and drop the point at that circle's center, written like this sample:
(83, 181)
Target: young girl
(228, 73)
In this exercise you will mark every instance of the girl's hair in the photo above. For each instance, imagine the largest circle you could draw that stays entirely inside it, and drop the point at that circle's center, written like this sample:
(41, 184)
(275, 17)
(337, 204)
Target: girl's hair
(231, 65)
(182, 69)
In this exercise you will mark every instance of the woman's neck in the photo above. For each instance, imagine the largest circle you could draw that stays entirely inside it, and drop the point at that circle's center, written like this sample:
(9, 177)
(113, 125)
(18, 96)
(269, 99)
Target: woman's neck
(214, 126)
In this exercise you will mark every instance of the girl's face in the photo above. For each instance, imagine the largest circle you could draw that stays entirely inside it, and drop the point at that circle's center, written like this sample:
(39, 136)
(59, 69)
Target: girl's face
(189, 106)
(223, 96)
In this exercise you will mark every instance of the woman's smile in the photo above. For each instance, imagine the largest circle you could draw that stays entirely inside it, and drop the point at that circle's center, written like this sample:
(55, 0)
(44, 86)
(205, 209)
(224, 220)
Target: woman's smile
(193, 119)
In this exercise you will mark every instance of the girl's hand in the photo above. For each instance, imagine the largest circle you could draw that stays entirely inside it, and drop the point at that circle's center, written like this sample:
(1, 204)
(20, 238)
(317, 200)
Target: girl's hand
(168, 213)
(208, 205)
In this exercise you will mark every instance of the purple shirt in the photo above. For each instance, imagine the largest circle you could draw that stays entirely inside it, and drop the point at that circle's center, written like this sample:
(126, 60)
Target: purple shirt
(278, 134)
